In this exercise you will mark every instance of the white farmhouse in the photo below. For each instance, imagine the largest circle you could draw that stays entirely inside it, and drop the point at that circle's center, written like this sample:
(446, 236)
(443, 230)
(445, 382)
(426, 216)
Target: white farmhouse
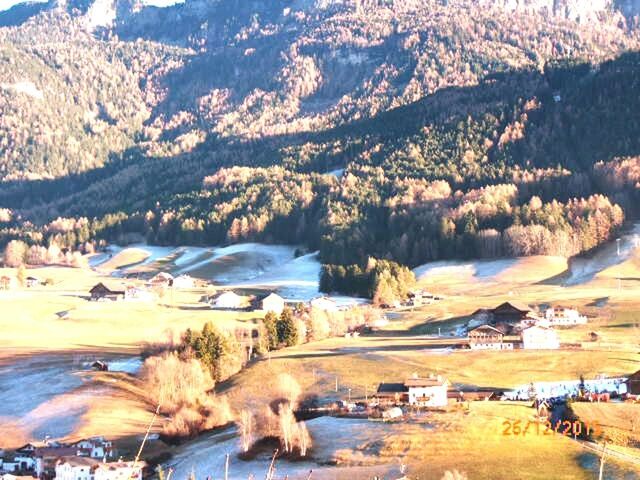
(325, 304)
(228, 300)
(96, 447)
(427, 392)
(183, 282)
(564, 317)
(76, 468)
(540, 337)
(119, 471)
(273, 303)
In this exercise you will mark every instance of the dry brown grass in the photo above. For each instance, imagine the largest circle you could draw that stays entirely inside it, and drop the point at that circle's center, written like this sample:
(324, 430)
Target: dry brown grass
(619, 422)
(473, 444)
(124, 258)
(182, 390)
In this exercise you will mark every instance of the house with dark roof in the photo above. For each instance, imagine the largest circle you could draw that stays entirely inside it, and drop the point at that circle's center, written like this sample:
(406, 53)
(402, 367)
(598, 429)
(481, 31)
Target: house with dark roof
(510, 312)
(107, 291)
(418, 391)
(392, 393)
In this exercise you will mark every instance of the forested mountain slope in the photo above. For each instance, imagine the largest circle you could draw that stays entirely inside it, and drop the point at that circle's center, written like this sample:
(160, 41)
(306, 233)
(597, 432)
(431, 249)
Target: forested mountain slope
(459, 128)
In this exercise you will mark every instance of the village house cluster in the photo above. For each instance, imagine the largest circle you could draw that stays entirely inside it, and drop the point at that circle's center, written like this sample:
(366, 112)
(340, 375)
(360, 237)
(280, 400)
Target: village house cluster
(88, 459)
(536, 332)
(115, 290)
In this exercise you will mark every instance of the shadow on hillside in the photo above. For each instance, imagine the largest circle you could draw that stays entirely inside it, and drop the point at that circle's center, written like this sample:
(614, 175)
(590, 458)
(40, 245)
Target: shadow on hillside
(132, 181)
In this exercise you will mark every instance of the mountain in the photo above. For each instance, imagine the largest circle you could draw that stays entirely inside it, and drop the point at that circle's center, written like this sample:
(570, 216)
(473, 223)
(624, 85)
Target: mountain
(452, 127)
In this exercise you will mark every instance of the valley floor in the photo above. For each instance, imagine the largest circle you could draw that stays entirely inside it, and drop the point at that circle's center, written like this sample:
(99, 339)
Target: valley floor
(51, 332)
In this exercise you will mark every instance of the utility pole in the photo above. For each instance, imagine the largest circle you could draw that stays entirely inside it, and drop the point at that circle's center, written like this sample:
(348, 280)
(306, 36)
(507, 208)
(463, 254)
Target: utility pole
(336, 383)
(349, 395)
(604, 450)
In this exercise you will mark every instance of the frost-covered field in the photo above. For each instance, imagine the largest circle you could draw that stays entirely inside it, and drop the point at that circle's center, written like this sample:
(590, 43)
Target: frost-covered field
(242, 265)
(206, 456)
(47, 392)
(584, 269)
(482, 270)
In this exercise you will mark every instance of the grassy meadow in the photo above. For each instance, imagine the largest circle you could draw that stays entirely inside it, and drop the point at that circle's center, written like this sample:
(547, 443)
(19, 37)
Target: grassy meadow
(59, 318)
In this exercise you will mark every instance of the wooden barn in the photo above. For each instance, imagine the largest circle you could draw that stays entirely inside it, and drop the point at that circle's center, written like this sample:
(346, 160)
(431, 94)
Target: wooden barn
(102, 291)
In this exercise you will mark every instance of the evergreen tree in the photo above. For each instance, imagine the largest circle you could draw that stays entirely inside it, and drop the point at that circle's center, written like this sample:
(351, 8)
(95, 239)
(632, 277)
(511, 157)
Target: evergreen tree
(286, 328)
(271, 330)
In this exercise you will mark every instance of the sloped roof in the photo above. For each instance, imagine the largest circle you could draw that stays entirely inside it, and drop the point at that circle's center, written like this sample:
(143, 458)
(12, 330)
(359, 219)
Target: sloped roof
(162, 277)
(80, 461)
(426, 382)
(487, 327)
(392, 388)
(112, 286)
(273, 296)
(515, 305)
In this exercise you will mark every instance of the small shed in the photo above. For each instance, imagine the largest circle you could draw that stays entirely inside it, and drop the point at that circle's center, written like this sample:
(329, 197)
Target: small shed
(100, 366)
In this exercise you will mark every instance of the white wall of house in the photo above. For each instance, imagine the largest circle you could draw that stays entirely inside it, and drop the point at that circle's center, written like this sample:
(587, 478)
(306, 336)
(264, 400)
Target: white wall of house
(325, 304)
(228, 300)
(183, 281)
(68, 471)
(436, 396)
(118, 471)
(9, 466)
(564, 317)
(491, 346)
(273, 303)
(540, 338)
(25, 462)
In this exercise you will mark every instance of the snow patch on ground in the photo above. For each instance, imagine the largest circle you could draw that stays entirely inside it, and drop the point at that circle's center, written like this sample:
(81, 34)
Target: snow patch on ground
(26, 87)
(206, 456)
(240, 265)
(44, 394)
(294, 278)
(568, 387)
(126, 365)
(482, 269)
(338, 172)
(584, 269)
